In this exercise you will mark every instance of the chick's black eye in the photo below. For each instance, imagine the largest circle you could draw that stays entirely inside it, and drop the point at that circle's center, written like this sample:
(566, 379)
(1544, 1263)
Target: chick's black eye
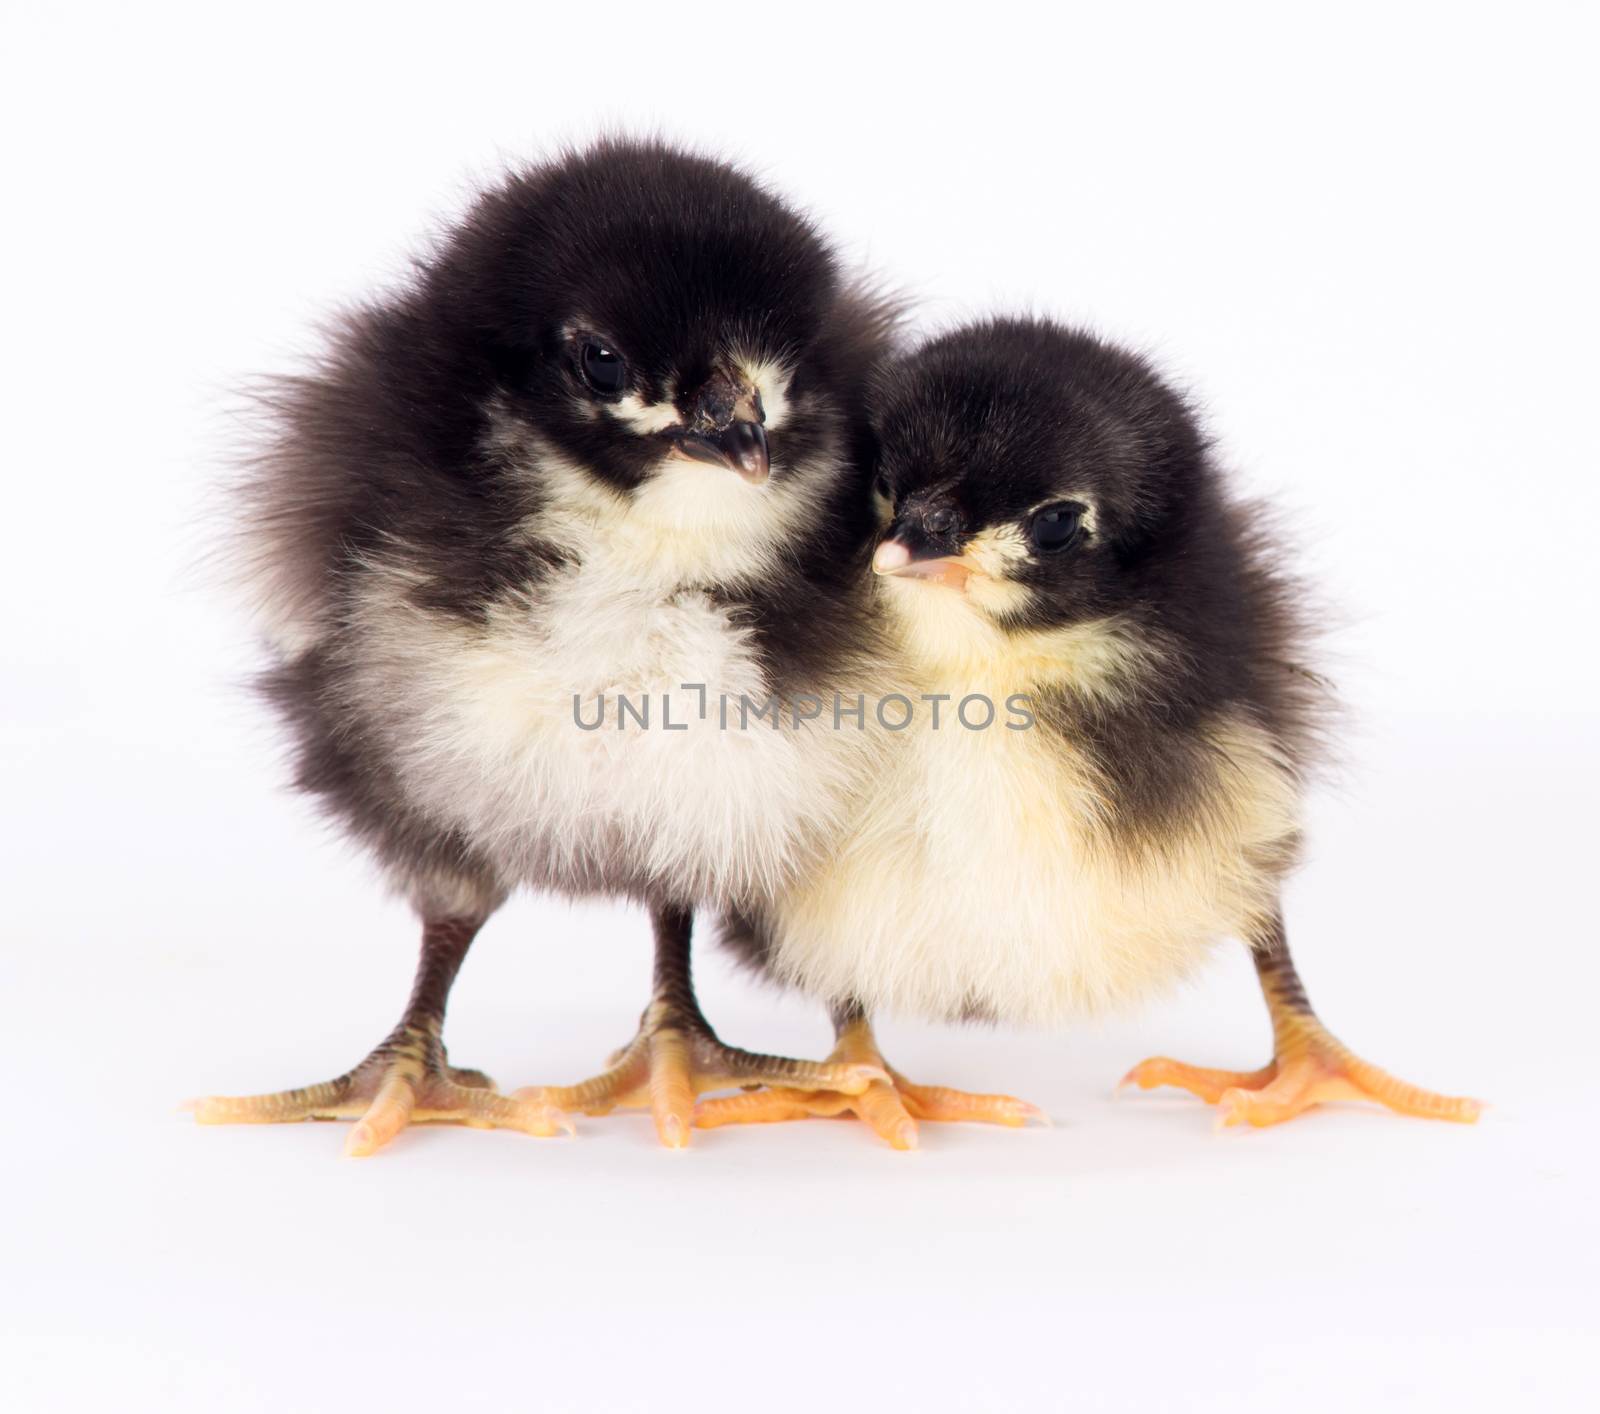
(603, 369)
(1056, 527)
(882, 488)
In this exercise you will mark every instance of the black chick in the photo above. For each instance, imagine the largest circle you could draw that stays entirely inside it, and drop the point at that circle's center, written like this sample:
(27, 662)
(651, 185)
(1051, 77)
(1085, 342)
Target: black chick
(1127, 730)
(596, 462)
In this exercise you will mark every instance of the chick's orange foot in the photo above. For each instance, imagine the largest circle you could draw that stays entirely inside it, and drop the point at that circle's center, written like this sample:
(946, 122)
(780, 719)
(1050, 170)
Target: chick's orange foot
(1309, 1066)
(406, 1080)
(891, 1105)
(1321, 1070)
(675, 1058)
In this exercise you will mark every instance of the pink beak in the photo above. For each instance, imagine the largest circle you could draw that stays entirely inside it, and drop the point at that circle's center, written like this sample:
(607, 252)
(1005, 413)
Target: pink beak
(893, 558)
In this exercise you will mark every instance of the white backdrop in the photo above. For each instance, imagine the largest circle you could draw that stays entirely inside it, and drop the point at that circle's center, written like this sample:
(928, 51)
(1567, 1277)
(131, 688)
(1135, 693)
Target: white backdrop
(1363, 236)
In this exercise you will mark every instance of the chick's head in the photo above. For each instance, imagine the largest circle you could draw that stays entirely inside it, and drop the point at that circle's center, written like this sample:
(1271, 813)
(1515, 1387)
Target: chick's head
(1028, 476)
(663, 336)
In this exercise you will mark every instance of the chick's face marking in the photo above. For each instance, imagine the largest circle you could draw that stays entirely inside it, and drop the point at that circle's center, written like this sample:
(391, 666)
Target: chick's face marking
(723, 423)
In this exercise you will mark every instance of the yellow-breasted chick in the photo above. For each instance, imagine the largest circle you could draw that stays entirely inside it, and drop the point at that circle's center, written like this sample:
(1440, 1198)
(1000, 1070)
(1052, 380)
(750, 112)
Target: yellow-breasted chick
(1112, 732)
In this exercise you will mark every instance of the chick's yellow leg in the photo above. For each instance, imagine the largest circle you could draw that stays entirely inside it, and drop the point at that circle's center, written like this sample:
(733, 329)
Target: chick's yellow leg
(1309, 1064)
(675, 1057)
(890, 1106)
(407, 1079)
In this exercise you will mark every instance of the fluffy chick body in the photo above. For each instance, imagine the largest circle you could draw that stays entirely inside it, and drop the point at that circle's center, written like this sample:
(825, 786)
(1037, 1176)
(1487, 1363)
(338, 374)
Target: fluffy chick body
(1152, 805)
(979, 880)
(459, 548)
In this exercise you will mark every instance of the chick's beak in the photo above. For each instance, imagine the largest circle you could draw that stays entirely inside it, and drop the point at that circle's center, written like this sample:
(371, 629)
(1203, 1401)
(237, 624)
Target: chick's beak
(724, 429)
(740, 446)
(894, 557)
(745, 446)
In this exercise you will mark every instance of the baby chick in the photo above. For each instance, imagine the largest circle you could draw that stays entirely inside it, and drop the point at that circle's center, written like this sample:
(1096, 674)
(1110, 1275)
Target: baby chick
(1115, 779)
(529, 526)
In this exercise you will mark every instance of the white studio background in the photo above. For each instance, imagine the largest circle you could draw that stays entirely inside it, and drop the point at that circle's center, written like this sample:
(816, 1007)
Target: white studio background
(1364, 236)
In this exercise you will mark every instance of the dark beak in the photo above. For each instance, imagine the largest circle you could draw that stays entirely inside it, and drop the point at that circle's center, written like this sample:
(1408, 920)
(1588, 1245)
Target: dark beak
(740, 446)
(722, 426)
